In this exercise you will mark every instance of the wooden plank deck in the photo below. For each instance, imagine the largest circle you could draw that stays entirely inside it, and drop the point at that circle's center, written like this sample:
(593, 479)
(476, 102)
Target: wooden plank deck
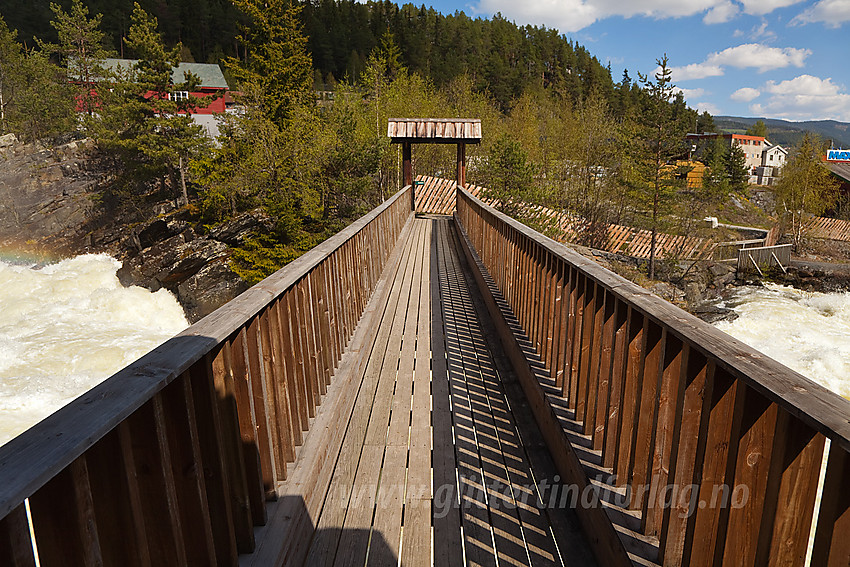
(441, 462)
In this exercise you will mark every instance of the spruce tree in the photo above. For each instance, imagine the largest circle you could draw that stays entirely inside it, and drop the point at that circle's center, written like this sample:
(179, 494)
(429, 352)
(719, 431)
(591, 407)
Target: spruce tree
(277, 67)
(736, 168)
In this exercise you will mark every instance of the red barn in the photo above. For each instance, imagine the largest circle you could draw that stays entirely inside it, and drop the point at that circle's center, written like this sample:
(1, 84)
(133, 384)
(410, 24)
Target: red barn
(212, 81)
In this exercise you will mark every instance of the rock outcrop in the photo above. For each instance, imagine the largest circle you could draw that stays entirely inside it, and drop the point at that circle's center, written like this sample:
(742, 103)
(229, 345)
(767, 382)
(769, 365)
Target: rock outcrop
(45, 193)
(49, 204)
(170, 254)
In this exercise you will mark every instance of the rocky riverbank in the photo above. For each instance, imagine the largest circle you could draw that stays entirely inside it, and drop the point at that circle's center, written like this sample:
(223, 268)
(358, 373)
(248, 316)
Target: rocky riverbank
(703, 287)
(50, 207)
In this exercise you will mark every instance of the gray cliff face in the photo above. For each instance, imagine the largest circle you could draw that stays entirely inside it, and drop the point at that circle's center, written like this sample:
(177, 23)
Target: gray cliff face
(45, 193)
(48, 204)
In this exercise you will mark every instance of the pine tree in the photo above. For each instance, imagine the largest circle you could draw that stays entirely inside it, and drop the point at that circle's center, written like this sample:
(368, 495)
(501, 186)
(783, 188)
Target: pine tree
(150, 129)
(662, 135)
(81, 49)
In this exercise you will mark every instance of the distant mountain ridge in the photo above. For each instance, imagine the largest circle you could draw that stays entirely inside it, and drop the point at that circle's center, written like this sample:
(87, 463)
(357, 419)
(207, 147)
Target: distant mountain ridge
(787, 133)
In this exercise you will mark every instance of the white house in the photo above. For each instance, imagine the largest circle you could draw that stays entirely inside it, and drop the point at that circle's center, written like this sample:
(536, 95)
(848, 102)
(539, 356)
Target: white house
(774, 155)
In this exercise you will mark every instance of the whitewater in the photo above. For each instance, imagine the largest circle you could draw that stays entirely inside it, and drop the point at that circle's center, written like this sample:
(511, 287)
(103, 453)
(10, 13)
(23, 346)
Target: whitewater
(66, 327)
(806, 331)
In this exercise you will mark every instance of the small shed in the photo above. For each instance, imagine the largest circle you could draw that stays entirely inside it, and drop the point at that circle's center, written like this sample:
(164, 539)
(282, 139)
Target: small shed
(409, 131)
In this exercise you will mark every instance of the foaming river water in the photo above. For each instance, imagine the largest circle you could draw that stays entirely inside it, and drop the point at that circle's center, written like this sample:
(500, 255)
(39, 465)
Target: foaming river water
(807, 331)
(66, 327)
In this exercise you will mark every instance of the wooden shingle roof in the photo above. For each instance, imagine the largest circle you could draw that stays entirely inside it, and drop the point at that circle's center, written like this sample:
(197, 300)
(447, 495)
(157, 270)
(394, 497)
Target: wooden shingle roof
(435, 130)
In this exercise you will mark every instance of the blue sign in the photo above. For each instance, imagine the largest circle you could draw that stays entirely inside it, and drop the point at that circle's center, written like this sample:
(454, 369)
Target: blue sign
(838, 155)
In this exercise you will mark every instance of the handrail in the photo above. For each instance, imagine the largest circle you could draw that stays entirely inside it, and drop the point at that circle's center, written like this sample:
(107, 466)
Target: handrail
(672, 402)
(249, 374)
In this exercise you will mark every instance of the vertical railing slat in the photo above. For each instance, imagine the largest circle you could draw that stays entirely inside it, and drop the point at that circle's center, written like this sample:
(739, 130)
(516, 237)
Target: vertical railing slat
(64, 520)
(832, 544)
(15, 539)
(178, 418)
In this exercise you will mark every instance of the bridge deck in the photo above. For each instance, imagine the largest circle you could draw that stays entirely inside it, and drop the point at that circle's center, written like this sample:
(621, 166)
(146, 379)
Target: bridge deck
(439, 418)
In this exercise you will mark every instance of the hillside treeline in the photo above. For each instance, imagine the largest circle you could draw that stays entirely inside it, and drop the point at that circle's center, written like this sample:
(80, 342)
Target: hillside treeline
(499, 57)
(496, 54)
(557, 129)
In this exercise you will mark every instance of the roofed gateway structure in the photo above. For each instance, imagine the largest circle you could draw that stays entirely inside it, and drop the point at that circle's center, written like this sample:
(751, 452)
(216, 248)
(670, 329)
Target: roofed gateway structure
(409, 131)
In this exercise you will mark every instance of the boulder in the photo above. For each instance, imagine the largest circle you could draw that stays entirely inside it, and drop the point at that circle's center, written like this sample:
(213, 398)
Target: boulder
(234, 231)
(8, 140)
(170, 262)
(207, 290)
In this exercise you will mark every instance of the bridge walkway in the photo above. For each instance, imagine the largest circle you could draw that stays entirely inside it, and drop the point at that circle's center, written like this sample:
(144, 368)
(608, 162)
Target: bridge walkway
(442, 459)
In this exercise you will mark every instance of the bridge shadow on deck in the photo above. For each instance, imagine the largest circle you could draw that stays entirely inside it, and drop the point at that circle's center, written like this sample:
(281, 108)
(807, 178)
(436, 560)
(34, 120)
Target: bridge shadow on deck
(442, 462)
(642, 550)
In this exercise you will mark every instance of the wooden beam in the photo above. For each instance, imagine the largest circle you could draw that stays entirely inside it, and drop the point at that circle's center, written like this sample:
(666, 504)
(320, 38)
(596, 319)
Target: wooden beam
(461, 164)
(407, 165)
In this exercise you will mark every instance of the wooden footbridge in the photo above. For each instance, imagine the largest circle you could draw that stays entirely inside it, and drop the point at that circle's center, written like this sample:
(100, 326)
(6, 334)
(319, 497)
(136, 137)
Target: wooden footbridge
(437, 391)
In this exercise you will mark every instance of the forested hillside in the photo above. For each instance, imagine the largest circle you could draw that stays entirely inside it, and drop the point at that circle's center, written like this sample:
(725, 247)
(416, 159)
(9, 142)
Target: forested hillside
(558, 130)
(787, 133)
(499, 57)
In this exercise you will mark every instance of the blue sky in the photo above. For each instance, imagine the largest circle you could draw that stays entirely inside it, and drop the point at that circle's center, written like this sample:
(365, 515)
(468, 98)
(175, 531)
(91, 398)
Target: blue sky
(786, 59)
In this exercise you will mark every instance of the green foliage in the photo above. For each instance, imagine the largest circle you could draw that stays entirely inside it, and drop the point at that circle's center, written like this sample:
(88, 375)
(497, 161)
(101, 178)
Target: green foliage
(272, 154)
(592, 165)
(207, 28)
(510, 175)
(276, 68)
(660, 137)
(81, 50)
(736, 168)
(12, 72)
(148, 131)
(726, 169)
(44, 106)
(758, 129)
(500, 57)
(35, 100)
(806, 186)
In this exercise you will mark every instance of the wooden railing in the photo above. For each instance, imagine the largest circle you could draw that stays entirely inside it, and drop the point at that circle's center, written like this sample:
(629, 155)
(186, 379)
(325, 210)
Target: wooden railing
(170, 461)
(673, 404)
(766, 257)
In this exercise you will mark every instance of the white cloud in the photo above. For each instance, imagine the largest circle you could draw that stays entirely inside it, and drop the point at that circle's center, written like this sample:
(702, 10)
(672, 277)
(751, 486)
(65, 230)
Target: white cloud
(708, 107)
(833, 13)
(762, 7)
(805, 98)
(760, 56)
(690, 94)
(574, 15)
(745, 94)
(748, 55)
(696, 71)
(721, 13)
(761, 31)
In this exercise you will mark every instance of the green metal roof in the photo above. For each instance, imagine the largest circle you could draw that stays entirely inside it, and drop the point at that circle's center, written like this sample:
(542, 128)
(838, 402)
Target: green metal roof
(210, 74)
